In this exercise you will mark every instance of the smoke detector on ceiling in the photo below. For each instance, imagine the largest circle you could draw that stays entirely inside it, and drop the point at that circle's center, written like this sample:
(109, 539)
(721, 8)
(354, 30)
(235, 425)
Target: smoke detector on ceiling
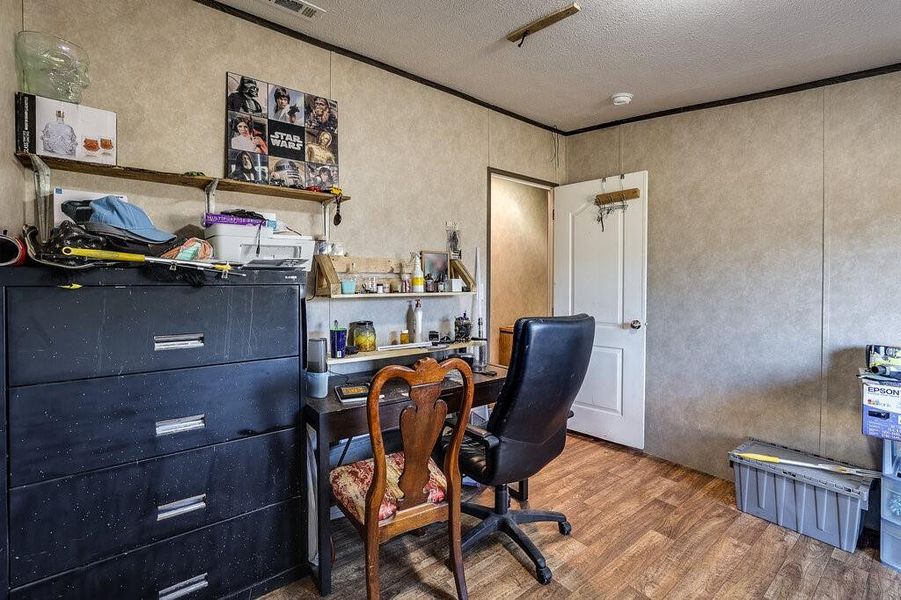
(300, 8)
(621, 98)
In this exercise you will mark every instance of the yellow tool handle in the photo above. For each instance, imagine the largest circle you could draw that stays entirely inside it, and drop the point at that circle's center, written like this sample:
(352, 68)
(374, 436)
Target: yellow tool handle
(103, 254)
(760, 457)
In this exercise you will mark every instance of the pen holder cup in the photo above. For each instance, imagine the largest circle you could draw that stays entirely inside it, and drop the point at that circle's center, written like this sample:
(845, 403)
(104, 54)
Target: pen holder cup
(317, 384)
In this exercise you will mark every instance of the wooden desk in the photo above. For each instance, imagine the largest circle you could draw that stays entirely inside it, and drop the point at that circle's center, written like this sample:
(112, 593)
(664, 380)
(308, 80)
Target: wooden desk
(333, 421)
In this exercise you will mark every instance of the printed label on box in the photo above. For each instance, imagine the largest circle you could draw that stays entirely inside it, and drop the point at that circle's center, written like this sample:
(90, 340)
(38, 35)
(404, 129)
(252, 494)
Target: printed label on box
(881, 410)
(886, 397)
(882, 424)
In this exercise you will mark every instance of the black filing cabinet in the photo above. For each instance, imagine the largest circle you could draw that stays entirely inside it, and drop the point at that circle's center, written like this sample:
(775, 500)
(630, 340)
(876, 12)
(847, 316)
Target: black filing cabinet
(151, 443)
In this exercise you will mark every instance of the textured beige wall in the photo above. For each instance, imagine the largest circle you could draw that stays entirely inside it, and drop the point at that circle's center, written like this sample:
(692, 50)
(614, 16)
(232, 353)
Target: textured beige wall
(519, 255)
(12, 176)
(863, 237)
(412, 157)
(738, 323)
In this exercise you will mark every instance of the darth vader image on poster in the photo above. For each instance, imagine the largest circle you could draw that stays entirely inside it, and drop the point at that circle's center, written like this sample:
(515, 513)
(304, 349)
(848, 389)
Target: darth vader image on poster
(246, 94)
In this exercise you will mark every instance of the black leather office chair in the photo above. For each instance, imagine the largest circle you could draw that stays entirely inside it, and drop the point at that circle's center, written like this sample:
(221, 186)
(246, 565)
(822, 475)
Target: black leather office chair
(527, 428)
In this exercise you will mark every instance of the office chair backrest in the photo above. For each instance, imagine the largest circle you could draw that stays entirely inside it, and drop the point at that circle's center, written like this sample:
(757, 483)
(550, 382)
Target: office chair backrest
(421, 422)
(548, 364)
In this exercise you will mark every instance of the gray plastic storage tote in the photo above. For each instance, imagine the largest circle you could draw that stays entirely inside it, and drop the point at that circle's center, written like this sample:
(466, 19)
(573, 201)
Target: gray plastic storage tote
(824, 505)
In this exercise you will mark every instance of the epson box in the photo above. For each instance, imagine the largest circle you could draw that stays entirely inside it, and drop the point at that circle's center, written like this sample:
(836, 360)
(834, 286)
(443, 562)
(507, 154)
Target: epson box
(881, 409)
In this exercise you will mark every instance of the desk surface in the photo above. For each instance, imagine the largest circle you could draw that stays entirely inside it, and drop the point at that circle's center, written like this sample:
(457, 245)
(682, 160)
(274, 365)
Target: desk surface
(392, 390)
(344, 419)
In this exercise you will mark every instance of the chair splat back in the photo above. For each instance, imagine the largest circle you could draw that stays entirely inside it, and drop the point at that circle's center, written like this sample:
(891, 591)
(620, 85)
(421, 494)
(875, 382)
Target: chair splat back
(421, 423)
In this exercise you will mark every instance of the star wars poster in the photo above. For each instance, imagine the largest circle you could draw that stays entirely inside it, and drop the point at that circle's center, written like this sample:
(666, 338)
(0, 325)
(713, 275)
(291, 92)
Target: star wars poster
(280, 136)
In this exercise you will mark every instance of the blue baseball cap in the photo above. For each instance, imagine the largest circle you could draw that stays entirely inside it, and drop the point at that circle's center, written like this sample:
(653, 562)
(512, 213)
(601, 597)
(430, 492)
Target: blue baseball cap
(112, 212)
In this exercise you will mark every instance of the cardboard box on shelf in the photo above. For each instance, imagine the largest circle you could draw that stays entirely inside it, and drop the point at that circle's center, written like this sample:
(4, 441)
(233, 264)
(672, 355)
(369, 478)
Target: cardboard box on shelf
(48, 127)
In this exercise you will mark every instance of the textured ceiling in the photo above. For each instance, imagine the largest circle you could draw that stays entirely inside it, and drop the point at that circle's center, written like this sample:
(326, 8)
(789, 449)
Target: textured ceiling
(669, 53)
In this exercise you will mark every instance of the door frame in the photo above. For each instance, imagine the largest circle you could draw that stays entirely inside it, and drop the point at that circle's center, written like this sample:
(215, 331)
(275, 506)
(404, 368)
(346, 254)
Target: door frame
(525, 180)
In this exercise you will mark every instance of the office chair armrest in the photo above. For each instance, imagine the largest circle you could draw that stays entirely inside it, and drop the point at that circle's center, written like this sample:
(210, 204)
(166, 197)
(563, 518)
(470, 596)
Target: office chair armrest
(484, 436)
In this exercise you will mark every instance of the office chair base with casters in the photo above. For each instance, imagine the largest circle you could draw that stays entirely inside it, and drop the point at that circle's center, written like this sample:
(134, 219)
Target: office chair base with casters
(507, 521)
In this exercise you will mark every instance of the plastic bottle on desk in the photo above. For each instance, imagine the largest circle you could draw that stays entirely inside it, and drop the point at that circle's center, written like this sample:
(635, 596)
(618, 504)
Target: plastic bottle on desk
(418, 278)
(416, 333)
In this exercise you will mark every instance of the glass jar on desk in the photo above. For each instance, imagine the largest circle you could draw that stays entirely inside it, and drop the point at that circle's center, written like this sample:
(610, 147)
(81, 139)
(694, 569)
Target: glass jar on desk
(364, 336)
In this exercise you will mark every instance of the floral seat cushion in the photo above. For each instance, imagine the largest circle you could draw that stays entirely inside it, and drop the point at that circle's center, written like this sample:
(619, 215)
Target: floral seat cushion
(351, 482)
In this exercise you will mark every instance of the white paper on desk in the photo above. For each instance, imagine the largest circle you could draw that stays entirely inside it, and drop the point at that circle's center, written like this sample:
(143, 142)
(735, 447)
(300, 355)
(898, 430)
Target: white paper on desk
(455, 377)
(61, 195)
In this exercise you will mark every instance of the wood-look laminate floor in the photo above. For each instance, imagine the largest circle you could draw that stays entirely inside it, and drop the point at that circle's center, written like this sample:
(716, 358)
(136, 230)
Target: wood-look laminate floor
(642, 528)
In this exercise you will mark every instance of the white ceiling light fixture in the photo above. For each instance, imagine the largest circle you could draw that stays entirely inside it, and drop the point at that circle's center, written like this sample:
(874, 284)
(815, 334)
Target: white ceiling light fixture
(301, 8)
(621, 98)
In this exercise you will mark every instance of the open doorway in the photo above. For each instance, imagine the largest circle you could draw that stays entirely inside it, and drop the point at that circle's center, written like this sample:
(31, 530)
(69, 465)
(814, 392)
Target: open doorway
(520, 255)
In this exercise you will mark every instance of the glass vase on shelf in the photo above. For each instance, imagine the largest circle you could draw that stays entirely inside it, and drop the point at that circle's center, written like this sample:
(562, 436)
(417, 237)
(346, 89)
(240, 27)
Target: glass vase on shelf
(51, 67)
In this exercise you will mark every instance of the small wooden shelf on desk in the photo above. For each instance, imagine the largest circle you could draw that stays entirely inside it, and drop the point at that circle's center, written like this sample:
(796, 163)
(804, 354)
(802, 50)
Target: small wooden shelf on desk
(390, 295)
(195, 181)
(383, 354)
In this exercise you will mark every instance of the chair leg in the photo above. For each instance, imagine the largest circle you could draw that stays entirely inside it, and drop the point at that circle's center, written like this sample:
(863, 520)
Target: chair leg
(542, 572)
(488, 526)
(536, 516)
(456, 552)
(475, 510)
(372, 569)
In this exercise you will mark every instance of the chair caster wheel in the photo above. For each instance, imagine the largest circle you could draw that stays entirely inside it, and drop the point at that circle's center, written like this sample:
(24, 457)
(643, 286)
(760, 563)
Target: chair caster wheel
(565, 528)
(544, 575)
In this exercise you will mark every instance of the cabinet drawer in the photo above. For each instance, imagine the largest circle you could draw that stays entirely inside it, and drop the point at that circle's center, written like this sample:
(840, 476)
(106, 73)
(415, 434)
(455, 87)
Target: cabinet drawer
(59, 429)
(58, 335)
(208, 563)
(64, 523)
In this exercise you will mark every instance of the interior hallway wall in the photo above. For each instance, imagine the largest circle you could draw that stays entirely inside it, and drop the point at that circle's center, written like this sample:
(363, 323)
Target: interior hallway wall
(411, 157)
(771, 229)
(519, 255)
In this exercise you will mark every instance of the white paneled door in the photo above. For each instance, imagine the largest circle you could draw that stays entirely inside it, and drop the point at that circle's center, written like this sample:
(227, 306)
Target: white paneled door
(602, 271)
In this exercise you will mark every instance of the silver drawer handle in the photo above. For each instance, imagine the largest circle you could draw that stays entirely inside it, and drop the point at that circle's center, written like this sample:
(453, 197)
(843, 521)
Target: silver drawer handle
(182, 341)
(180, 507)
(188, 586)
(180, 425)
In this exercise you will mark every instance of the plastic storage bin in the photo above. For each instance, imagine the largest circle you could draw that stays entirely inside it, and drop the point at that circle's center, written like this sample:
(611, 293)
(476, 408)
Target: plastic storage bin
(891, 499)
(821, 504)
(890, 544)
(890, 528)
(891, 458)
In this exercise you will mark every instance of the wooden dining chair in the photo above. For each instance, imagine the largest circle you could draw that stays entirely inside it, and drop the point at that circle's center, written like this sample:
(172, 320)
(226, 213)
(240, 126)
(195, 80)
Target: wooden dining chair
(386, 496)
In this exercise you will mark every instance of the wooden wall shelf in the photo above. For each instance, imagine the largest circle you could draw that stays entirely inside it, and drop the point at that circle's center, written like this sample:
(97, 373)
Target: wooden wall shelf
(396, 295)
(329, 270)
(389, 353)
(199, 182)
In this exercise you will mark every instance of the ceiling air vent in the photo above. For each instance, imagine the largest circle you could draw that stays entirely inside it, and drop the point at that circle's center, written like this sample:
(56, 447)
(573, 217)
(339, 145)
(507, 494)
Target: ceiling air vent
(300, 8)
